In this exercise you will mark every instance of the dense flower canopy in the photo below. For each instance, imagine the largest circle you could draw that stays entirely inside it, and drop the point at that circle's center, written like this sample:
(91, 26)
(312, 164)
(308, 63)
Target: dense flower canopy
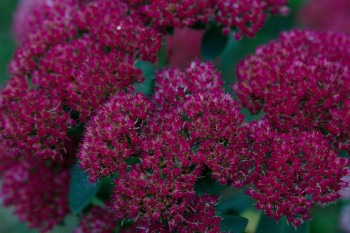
(72, 99)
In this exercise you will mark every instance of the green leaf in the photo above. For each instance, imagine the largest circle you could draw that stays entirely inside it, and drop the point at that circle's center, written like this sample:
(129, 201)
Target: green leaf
(343, 154)
(233, 201)
(267, 224)
(81, 191)
(76, 131)
(213, 43)
(248, 117)
(148, 72)
(326, 220)
(206, 185)
(233, 224)
(162, 56)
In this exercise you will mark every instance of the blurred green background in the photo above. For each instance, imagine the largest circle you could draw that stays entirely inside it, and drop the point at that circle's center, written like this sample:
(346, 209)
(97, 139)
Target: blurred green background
(325, 220)
(6, 42)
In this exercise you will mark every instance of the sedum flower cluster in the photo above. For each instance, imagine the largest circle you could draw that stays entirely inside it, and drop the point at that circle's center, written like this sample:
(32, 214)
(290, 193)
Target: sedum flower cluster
(72, 97)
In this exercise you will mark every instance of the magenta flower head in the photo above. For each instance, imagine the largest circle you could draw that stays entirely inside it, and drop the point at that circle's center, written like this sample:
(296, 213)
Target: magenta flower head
(84, 74)
(97, 220)
(38, 15)
(293, 172)
(63, 74)
(114, 135)
(150, 198)
(215, 129)
(32, 120)
(300, 80)
(115, 25)
(38, 193)
(174, 86)
(326, 15)
(247, 16)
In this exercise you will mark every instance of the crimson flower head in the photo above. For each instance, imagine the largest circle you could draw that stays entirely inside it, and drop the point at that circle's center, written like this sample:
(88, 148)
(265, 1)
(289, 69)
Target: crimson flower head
(62, 74)
(114, 135)
(301, 80)
(293, 171)
(84, 74)
(37, 191)
(36, 16)
(116, 26)
(247, 16)
(150, 198)
(97, 220)
(33, 120)
(215, 129)
(174, 86)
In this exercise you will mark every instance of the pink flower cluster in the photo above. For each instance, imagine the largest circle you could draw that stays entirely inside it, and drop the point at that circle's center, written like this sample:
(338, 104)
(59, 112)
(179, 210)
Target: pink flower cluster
(203, 129)
(37, 191)
(247, 16)
(173, 86)
(63, 74)
(33, 120)
(114, 135)
(36, 16)
(97, 220)
(293, 171)
(301, 80)
(160, 152)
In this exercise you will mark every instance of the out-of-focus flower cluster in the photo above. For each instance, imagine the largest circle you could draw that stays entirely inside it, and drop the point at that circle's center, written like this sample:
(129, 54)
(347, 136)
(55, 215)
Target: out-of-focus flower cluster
(38, 192)
(326, 15)
(97, 220)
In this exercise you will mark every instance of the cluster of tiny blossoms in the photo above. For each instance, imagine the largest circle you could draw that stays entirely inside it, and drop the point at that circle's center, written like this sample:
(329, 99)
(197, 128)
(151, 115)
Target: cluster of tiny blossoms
(159, 152)
(246, 16)
(203, 130)
(301, 80)
(62, 73)
(97, 220)
(293, 171)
